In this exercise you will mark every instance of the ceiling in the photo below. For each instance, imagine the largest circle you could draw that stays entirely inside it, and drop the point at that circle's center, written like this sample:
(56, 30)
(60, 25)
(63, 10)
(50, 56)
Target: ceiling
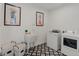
(48, 6)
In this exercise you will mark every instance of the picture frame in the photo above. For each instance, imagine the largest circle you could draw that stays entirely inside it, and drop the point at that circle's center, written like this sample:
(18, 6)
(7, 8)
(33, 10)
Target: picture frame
(12, 15)
(39, 19)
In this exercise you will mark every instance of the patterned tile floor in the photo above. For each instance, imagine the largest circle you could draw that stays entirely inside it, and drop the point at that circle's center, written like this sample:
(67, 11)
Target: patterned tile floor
(43, 50)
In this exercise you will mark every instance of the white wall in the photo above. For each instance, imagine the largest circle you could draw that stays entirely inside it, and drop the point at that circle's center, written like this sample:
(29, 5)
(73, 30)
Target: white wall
(28, 21)
(65, 18)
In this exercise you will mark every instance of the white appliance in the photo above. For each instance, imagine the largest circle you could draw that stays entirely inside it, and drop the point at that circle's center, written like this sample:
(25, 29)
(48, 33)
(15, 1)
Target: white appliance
(0, 51)
(54, 40)
(69, 44)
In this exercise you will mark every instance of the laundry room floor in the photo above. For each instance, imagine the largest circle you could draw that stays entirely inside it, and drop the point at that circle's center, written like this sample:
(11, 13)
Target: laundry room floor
(43, 50)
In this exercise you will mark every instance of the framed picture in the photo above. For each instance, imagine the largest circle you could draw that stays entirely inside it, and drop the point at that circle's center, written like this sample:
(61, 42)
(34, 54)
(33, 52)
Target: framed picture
(39, 19)
(12, 15)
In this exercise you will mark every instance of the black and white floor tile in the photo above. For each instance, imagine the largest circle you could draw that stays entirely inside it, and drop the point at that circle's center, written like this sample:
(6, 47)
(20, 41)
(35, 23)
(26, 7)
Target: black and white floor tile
(43, 50)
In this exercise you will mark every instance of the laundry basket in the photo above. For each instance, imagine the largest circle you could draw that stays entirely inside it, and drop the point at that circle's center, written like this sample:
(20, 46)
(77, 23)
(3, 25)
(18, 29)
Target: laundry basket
(7, 49)
(19, 49)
